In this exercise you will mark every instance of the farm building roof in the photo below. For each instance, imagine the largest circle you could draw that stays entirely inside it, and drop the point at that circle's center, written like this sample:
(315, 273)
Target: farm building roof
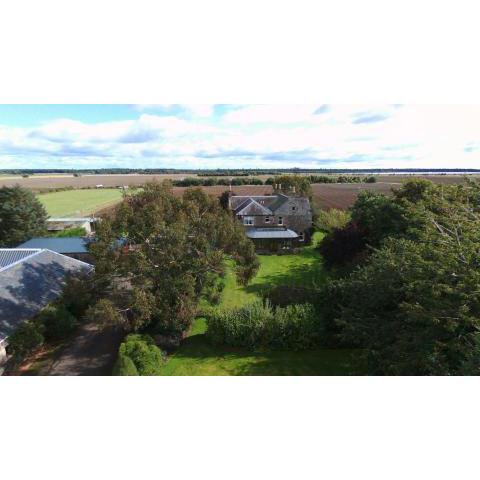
(10, 256)
(72, 219)
(30, 282)
(271, 233)
(59, 245)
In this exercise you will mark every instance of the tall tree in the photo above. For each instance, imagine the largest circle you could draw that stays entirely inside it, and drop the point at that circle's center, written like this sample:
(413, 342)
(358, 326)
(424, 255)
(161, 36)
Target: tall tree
(288, 183)
(415, 306)
(170, 249)
(22, 216)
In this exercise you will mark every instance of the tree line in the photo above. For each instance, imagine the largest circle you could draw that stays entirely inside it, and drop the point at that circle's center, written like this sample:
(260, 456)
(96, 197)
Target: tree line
(406, 273)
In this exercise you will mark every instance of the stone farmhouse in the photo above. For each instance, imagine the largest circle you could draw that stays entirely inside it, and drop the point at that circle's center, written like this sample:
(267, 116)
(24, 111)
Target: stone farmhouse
(275, 223)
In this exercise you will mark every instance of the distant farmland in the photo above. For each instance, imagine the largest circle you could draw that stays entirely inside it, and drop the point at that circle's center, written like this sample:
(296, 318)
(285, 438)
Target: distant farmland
(85, 202)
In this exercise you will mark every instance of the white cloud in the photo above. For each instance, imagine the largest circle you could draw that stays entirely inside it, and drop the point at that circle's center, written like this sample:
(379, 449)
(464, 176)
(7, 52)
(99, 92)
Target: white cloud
(256, 136)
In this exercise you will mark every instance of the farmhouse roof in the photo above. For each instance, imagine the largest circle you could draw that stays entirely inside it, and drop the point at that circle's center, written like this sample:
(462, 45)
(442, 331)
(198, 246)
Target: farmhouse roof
(269, 204)
(271, 233)
(29, 281)
(59, 245)
(252, 207)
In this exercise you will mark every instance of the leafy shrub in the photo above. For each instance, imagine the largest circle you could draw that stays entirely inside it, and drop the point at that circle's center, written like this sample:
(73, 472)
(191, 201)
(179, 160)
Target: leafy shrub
(78, 294)
(259, 325)
(213, 290)
(342, 246)
(284, 295)
(124, 367)
(145, 356)
(71, 232)
(59, 323)
(25, 339)
(333, 219)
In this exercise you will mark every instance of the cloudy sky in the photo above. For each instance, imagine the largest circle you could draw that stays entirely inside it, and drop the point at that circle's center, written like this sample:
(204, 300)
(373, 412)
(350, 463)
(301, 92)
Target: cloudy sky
(240, 136)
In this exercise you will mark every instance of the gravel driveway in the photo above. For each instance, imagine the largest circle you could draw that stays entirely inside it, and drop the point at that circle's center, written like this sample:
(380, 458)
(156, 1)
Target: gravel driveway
(92, 352)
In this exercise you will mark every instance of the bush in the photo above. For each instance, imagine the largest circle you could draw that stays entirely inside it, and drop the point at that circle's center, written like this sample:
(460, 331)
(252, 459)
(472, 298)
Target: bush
(25, 339)
(329, 220)
(284, 295)
(213, 290)
(71, 232)
(342, 246)
(145, 356)
(59, 323)
(124, 367)
(261, 326)
(78, 294)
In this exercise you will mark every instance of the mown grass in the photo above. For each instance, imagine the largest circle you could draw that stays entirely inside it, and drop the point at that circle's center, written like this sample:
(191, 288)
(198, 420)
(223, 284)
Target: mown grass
(79, 203)
(197, 357)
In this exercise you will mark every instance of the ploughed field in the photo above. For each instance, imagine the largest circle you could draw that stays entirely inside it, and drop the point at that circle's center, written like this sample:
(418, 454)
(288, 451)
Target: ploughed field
(44, 182)
(52, 181)
(98, 201)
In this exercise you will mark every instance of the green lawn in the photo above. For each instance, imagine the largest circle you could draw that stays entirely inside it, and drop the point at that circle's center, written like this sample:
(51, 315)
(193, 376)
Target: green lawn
(197, 357)
(79, 203)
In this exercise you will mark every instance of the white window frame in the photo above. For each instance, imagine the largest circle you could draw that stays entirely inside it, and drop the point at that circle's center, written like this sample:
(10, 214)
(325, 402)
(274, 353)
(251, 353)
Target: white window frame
(280, 220)
(301, 237)
(249, 220)
(267, 219)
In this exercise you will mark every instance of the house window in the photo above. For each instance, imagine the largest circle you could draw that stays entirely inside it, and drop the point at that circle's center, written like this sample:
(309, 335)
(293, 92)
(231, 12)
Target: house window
(267, 219)
(280, 220)
(293, 208)
(248, 220)
(301, 237)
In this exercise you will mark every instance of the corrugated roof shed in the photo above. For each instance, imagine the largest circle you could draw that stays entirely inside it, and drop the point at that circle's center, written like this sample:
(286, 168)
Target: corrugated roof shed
(59, 245)
(9, 256)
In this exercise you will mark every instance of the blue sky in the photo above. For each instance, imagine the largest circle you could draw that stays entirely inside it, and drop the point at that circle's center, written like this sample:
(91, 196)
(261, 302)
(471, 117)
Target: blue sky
(240, 136)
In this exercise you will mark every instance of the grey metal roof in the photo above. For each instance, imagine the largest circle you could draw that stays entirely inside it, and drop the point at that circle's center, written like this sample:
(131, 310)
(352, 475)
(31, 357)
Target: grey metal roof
(272, 233)
(9, 256)
(59, 245)
(29, 285)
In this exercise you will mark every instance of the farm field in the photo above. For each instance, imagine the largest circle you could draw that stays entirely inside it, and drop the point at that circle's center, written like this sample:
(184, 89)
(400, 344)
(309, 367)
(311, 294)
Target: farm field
(343, 195)
(84, 202)
(197, 357)
(43, 182)
(79, 203)
(52, 181)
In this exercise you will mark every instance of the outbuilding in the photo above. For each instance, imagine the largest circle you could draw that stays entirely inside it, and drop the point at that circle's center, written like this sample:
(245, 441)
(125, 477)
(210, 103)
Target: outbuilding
(30, 279)
(74, 247)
